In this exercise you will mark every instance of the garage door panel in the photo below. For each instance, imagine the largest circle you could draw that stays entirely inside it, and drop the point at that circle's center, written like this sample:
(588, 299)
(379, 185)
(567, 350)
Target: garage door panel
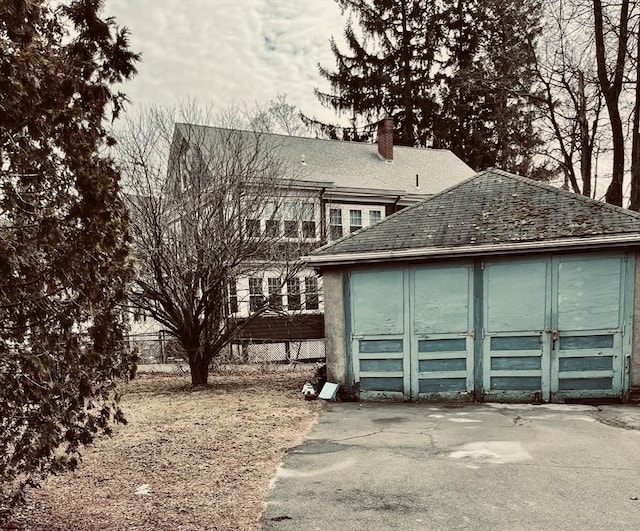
(588, 294)
(516, 383)
(441, 300)
(516, 363)
(517, 343)
(587, 366)
(445, 366)
(380, 345)
(381, 365)
(516, 293)
(384, 384)
(586, 384)
(597, 363)
(439, 386)
(378, 302)
(585, 342)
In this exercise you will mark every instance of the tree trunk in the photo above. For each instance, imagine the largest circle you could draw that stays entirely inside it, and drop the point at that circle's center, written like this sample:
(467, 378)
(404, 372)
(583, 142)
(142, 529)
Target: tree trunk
(199, 372)
(586, 148)
(635, 133)
(611, 90)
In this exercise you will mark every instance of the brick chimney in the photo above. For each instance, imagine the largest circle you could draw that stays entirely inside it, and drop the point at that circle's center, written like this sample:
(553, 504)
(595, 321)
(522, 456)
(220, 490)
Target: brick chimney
(385, 138)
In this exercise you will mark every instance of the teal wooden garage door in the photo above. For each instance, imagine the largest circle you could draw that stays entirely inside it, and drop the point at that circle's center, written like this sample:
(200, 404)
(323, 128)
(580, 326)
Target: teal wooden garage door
(553, 328)
(442, 331)
(379, 344)
(412, 332)
(588, 318)
(546, 328)
(517, 312)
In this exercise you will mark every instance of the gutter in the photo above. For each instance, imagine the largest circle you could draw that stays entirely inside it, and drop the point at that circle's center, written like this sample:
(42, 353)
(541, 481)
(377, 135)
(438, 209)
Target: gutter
(504, 248)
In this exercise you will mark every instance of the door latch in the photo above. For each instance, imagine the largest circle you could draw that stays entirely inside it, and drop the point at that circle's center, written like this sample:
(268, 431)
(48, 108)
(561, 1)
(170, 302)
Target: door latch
(554, 337)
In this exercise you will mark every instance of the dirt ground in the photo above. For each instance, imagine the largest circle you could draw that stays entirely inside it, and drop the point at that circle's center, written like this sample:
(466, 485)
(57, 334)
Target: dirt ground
(186, 460)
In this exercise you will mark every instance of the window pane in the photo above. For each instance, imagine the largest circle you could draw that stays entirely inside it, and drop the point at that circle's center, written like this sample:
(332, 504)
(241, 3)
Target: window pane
(309, 229)
(269, 209)
(291, 229)
(335, 232)
(311, 293)
(256, 297)
(272, 228)
(253, 227)
(293, 294)
(374, 216)
(355, 217)
(233, 295)
(275, 296)
(289, 210)
(355, 220)
(308, 212)
(335, 216)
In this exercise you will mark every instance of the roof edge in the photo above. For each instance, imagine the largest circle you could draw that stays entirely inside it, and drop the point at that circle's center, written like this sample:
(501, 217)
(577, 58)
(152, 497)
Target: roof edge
(514, 247)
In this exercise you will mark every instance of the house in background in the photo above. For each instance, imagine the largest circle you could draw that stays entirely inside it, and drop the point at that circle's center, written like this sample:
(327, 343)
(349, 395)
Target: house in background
(340, 188)
(497, 289)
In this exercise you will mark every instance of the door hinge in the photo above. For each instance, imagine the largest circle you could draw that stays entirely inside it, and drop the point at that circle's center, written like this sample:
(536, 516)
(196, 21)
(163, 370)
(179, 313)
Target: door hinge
(356, 336)
(468, 334)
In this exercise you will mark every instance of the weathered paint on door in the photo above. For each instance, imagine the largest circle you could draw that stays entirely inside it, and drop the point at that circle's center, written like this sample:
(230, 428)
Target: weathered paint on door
(550, 329)
(588, 326)
(379, 340)
(516, 314)
(442, 331)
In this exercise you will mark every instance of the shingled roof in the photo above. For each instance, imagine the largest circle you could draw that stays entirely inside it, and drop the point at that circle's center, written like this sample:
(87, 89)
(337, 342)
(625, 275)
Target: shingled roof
(338, 164)
(493, 211)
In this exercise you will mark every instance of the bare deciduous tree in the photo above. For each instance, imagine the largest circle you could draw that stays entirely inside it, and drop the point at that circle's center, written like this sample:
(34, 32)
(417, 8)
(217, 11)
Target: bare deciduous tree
(611, 77)
(566, 68)
(209, 206)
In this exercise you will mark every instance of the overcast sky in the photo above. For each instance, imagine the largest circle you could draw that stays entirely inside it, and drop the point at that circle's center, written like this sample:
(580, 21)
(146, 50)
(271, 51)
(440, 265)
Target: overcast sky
(229, 52)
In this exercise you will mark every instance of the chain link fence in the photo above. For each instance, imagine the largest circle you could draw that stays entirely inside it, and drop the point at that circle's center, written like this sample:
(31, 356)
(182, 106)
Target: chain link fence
(160, 348)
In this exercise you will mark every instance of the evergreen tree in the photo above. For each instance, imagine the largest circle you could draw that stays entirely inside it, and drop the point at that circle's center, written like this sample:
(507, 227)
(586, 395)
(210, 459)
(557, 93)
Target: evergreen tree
(454, 74)
(488, 84)
(385, 70)
(63, 233)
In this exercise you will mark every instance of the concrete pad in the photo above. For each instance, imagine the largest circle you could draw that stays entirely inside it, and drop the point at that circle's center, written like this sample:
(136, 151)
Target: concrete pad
(491, 467)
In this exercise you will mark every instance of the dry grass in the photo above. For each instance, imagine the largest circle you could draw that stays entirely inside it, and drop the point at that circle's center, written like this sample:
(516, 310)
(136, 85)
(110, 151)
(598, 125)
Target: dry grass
(207, 455)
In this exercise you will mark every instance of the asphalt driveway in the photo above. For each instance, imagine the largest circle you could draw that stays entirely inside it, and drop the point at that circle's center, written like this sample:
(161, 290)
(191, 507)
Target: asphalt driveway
(491, 467)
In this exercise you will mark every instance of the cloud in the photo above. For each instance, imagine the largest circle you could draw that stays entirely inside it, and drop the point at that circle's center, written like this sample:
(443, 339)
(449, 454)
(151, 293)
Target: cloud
(229, 52)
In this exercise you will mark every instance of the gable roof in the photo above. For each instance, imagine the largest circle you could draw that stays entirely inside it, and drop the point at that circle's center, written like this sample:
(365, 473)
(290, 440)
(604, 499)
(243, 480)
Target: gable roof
(492, 212)
(355, 165)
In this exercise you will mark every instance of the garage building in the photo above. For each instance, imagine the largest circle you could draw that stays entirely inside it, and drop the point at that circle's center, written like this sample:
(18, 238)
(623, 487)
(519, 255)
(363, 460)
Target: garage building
(497, 289)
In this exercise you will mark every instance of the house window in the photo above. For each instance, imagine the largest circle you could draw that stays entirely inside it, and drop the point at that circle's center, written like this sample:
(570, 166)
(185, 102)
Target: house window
(308, 220)
(233, 295)
(253, 227)
(256, 296)
(355, 220)
(311, 293)
(275, 293)
(374, 216)
(335, 223)
(290, 221)
(272, 224)
(273, 228)
(293, 294)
